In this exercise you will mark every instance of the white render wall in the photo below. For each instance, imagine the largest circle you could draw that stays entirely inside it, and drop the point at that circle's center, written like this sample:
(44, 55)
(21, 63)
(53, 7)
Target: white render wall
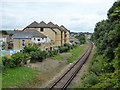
(41, 40)
(3, 39)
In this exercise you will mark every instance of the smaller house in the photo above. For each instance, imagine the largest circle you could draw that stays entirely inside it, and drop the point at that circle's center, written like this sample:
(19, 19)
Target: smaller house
(4, 39)
(74, 40)
(30, 37)
(16, 31)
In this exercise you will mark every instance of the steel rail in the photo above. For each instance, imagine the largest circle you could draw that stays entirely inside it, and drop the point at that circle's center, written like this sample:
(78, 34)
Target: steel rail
(74, 74)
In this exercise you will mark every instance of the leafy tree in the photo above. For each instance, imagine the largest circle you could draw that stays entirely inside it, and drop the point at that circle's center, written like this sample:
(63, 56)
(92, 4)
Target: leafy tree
(116, 60)
(4, 32)
(81, 38)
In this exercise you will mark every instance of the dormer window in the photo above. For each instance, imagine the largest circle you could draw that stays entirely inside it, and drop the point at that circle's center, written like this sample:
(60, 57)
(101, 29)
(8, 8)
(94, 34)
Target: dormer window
(41, 29)
(38, 39)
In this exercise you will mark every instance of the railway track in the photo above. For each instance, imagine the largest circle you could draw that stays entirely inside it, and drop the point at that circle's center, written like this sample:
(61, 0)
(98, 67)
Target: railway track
(64, 81)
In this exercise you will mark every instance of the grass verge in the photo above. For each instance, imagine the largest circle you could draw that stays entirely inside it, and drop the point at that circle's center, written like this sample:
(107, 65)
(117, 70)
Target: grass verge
(59, 57)
(75, 53)
(18, 77)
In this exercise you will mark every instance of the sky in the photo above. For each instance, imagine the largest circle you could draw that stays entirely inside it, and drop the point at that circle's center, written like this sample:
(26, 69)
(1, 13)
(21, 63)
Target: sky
(75, 15)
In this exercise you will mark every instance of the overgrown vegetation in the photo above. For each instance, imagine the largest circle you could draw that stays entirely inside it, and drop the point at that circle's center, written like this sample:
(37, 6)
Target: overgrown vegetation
(76, 52)
(104, 68)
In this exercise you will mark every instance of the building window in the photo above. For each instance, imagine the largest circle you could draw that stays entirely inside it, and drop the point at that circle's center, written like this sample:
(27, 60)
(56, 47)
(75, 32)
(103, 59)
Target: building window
(38, 39)
(29, 44)
(41, 29)
(23, 42)
(50, 48)
(65, 35)
(65, 40)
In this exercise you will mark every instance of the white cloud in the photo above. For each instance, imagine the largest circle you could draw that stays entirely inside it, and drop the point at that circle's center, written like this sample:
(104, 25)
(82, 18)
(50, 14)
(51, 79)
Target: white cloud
(74, 14)
(81, 1)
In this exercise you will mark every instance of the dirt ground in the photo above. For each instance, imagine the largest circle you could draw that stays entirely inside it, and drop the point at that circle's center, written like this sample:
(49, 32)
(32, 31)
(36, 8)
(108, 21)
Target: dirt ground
(48, 70)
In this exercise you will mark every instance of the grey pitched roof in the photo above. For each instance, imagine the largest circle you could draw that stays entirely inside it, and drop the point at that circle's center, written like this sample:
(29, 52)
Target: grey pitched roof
(33, 24)
(59, 28)
(64, 28)
(50, 24)
(28, 34)
(42, 24)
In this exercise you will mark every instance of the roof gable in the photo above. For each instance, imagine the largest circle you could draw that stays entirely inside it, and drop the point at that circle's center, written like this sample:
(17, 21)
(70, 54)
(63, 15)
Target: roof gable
(33, 24)
(42, 24)
(50, 24)
(63, 28)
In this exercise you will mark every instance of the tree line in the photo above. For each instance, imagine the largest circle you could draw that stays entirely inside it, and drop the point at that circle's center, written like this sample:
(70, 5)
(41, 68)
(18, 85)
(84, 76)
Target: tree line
(104, 68)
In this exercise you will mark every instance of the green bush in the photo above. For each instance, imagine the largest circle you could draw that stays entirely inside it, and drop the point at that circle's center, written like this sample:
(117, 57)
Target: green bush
(50, 53)
(54, 52)
(35, 53)
(95, 68)
(66, 44)
(27, 57)
(87, 80)
(70, 46)
(4, 61)
(17, 58)
(45, 53)
(37, 56)
(74, 46)
(33, 56)
(8, 62)
(28, 49)
(41, 55)
(11, 63)
(91, 79)
(63, 49)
